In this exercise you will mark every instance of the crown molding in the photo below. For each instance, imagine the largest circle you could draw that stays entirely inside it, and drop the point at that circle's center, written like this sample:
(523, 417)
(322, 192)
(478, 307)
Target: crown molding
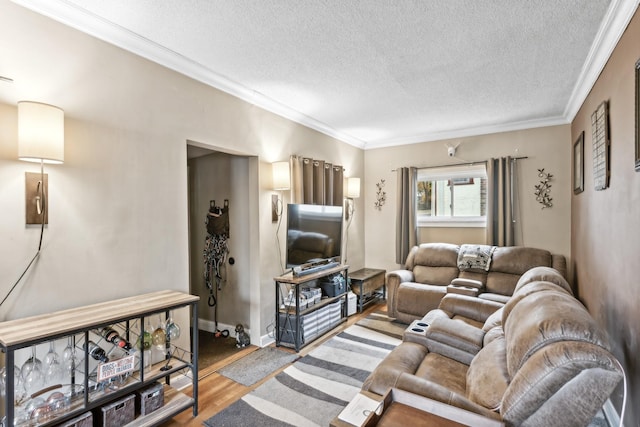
(76, 17)
(465, 133)
(613, 26)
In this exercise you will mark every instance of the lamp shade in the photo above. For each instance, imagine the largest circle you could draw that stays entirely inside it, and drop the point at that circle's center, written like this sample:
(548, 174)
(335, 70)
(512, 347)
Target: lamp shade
(40, 132)
(353, 188)
(281, 178)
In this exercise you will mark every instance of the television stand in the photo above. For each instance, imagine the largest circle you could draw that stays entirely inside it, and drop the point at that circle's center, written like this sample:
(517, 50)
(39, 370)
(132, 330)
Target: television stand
(297, 326)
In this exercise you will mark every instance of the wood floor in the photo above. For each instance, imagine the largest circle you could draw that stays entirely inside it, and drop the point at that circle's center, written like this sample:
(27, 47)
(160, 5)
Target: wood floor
(216, 392)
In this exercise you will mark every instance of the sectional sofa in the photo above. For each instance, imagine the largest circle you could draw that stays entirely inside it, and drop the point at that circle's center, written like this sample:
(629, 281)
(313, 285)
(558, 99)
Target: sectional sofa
(538, 360)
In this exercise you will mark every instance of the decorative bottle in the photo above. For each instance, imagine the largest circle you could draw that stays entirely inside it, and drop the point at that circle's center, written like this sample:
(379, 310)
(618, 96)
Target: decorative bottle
(112, 336)
(96, 351)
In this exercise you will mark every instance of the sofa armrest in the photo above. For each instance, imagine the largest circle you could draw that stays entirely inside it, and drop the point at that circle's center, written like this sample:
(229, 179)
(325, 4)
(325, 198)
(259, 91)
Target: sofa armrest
(394, 278)
(462, 290)
(470, 307)
(426, 388)
(454, 339)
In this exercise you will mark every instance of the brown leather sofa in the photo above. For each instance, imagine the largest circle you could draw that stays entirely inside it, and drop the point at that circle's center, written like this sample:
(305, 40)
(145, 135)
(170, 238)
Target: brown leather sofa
(432, 270)
(539, 360)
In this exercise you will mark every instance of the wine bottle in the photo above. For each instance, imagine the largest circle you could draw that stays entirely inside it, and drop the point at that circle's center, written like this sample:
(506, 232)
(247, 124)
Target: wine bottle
(96, 351)
(112, 336)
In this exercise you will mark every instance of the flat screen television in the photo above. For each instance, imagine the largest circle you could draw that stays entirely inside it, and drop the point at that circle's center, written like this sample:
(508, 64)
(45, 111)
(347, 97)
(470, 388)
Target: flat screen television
(314, 232)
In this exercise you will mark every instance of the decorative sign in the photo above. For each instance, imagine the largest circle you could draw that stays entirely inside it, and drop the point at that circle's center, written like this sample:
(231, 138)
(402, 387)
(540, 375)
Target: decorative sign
(600, 136)
(115, 368)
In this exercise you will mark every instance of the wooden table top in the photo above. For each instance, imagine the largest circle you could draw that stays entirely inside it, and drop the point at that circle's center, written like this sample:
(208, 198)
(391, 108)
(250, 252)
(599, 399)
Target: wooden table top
(366, 273)
(20, 331)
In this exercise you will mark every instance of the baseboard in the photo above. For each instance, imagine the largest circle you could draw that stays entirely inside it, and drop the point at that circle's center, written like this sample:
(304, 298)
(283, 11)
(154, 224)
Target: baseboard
(611, 414)
(210, 326)
(265, 340)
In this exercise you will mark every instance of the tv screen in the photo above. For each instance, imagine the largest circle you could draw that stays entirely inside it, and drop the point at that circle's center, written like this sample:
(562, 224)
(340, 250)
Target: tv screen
(313, 232)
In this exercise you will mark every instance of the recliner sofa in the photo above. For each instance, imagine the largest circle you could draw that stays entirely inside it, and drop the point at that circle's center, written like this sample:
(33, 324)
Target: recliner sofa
(432, 270)
(538, 360)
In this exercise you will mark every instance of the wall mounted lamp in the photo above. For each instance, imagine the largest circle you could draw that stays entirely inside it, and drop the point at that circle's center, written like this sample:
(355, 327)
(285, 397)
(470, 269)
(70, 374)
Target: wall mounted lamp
(281, 182)
(41, 140)
(353, 192)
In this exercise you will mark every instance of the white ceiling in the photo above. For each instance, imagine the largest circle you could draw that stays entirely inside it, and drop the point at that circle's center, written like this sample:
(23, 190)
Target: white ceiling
(375, 73)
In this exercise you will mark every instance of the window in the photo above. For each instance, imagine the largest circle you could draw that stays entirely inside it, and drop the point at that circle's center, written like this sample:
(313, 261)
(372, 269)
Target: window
(452, 196)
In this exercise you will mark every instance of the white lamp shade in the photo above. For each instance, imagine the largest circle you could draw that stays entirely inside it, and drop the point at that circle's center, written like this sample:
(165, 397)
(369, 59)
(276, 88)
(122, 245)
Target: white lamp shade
(281, 180)
(353, 188)
(40, 132)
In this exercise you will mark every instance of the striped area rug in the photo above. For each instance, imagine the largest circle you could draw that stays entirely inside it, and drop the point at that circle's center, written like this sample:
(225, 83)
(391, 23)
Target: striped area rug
(313, 390)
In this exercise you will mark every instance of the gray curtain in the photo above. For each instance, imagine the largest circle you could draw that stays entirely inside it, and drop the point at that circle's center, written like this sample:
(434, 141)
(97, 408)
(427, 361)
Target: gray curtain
(406, 226)
(316, 182)
(501, 197)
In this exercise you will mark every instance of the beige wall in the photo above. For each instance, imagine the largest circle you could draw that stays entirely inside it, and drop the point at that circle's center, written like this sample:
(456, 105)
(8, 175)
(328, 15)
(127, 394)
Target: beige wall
(118, 217)
(605, 230)
(545, 148)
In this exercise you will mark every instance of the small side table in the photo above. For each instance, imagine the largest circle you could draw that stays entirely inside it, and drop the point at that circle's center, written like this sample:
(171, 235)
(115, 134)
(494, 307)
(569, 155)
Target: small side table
(365, 282)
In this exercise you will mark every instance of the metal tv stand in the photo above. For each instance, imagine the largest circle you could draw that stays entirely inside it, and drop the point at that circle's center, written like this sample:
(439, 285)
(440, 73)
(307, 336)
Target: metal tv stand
(290, 320)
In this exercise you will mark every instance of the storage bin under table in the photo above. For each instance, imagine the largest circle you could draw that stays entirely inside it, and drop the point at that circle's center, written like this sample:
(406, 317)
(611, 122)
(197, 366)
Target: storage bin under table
(118, 413)
(365, 282)
(84, 420)
(150, 398)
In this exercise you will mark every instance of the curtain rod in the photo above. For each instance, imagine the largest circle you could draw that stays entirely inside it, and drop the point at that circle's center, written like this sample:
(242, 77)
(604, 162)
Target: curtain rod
(461, 164)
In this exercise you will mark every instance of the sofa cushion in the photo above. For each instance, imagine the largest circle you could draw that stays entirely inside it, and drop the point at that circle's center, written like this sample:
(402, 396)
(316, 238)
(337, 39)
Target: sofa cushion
(543, 318)
(434, 263)
(524, 291)
(441, 276)
(567, 377)
(413, 299)
(519, 259)
(444, 371)
(543, 274)
(435, 255)
(511, 262)
(487, 377)
(454, 338)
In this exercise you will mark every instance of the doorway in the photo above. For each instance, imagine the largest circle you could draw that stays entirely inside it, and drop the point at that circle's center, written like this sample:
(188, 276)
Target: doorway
(215, 177)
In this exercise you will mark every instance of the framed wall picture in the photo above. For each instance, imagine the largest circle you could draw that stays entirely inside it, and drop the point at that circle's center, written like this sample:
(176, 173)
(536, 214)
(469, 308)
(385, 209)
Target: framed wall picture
(578, 164)
(638, 115)
(600, 137)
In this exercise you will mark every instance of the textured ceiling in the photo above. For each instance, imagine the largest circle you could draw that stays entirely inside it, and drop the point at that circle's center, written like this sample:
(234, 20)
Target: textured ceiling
(375, 73)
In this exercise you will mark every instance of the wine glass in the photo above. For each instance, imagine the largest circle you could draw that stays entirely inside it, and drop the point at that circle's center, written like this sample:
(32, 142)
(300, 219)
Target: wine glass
(159, 336)
(172, 329)
(69, 359)
(18, 385)
(144, 340)
(31, 372)
(52, 366)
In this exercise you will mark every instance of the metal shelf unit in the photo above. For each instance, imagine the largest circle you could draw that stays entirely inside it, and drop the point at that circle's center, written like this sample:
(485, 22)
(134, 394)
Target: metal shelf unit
(292, 315)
